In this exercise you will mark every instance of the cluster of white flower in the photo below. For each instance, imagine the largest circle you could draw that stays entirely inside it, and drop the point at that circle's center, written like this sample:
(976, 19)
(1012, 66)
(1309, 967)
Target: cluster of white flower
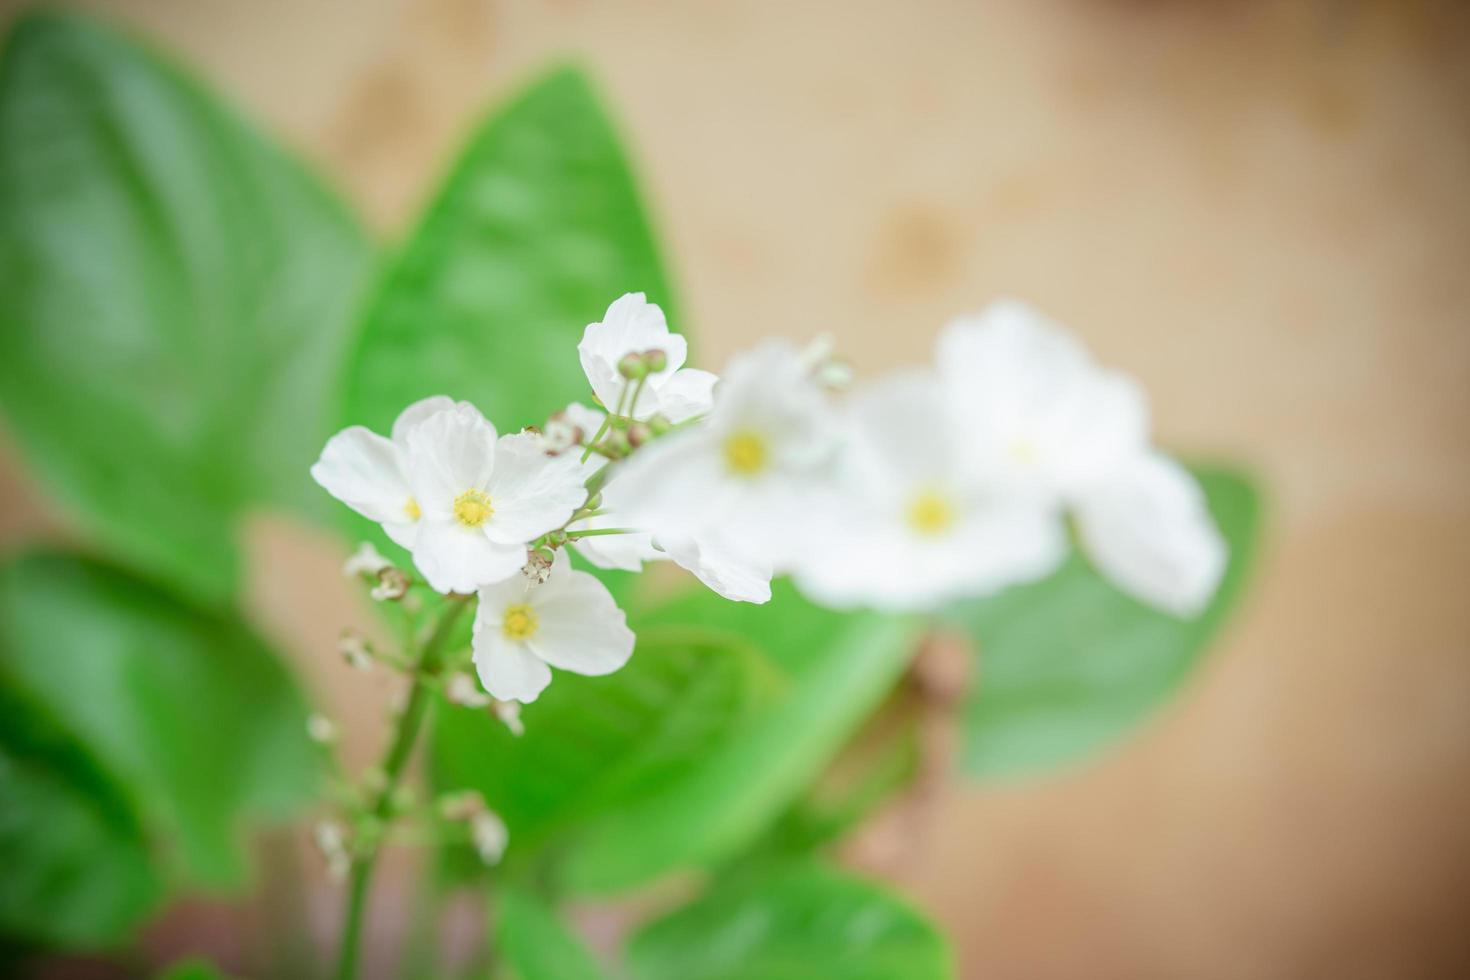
(921, 488)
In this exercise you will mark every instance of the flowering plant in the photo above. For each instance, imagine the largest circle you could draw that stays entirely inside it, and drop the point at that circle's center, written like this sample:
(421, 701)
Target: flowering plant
(189, 316)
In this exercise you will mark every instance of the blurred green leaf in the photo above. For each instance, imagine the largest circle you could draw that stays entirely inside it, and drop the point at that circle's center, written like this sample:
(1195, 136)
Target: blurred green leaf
(536, 231)
(536, 944)
(794, 924)
(76, 865)
(187, 710)
(837, 669)
(1068, 665)
(176, 291)
(594, 744)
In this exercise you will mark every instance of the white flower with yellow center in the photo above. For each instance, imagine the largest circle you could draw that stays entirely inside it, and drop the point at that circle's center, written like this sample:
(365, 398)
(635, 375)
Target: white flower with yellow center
(569, 622)
(729, 497)
(632, 325)
(1041, 416)
(369, 473)
(905, 526)
(483, 498)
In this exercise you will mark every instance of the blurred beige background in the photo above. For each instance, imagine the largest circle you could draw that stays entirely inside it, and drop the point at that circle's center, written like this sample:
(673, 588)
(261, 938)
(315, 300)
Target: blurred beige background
(1261, 210)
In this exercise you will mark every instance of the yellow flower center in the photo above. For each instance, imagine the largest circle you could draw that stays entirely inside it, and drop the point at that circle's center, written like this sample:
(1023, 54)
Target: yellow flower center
(520, 622)
(745, 452)
(411, 508)
(930, 513)
(472, 508)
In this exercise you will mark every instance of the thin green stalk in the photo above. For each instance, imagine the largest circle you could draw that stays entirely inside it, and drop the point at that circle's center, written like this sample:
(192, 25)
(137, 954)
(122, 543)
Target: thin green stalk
(598, 531)
(400, 749)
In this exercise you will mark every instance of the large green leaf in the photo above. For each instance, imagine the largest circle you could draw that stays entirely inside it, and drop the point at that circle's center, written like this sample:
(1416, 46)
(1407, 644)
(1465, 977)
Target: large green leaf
(187, 710)
(536, 944)
(176, 297)
(837, 668)
(801, 922)
(537, 230)
(76, 867)
(1066, 666)
(597, 744)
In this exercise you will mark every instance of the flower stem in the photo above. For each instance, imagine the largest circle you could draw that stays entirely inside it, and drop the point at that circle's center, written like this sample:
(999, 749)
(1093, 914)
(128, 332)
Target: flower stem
(597, 531)
(400, 749)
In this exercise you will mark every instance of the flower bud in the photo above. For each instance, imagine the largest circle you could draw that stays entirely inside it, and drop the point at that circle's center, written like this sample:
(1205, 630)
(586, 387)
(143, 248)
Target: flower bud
(366, 562)
(538, 567)
(490, 837)
(355, 650)
(460, 688)
(331, 842)
(633, 367)
(509, 713)
(392, 585)
(461, 806)
(593, 502)
(615, 446)
(321, 730)
(660, 424)
(638, 434)
(656, 360)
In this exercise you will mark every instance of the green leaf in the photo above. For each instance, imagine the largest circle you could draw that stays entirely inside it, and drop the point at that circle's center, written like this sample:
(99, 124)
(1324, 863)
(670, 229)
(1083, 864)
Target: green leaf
(186, 709)
(176, 297)
(537, 945)
(1068, 665)
(794, 924)
(595, 744)
(537, 230)
(837, 668)
(77, 870)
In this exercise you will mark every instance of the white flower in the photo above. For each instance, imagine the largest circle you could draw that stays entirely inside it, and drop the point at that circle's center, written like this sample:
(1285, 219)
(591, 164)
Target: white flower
(460, 688)
(729, 498)
(483, 499)
(490, 837)
(370, 473)
(509, 713)
(319, 729)
(1040, 416)
(905, 526)
(627, 552)
(571, 622)
(632, 325)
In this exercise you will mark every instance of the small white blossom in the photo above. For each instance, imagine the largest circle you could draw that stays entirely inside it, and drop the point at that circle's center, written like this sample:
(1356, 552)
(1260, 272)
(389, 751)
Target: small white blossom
(483, 498)
(331, 842)
(571, 623)
(365, 562)
(730, 498)
(490, 837)
(370, 474)
(1042, 417)
(392, 586)
(355, 650)
(632, 325)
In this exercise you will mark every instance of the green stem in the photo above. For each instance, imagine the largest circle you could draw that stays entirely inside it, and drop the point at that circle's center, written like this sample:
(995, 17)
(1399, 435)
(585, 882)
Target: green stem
(399, 751)
(595, 532)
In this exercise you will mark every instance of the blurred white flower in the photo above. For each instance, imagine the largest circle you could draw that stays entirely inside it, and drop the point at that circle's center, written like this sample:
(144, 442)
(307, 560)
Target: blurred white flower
(460, 688)
(483, 499)
(509, 713)
(489, 835)
(370, 473)
(319, 729)
(906, 526)
(1041, 417)
(571, 622)
(730, 497)
(331, 842)
(365, 561)
(632, 325)
(627, 552)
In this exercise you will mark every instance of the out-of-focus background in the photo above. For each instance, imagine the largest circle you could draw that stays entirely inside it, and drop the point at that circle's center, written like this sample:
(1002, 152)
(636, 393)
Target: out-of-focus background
(1259, 209)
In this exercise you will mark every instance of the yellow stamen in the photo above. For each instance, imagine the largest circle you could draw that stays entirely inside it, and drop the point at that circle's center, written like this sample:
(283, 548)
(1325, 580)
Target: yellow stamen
(745, 452)
(929, 513)
(411, 508)
(520, 622)
(472, 508)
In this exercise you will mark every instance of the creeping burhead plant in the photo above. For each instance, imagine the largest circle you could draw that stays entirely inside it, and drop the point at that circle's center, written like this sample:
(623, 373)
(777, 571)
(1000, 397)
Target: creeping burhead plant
(922, 488)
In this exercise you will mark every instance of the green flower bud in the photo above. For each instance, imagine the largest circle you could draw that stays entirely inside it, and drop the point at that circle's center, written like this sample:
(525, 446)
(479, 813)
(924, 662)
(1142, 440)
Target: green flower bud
(639, 433)
(656, 360)
(633, 367)
(659, 424)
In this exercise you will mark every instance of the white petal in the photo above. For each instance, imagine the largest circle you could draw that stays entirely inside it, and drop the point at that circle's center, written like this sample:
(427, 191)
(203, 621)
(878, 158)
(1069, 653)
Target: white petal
(531, 492)
(402, 533)
(410, 418)
(507, 669)
(630, 325)
(1150, 531)
(686, 393)
(579, 625)
(674, 486)
(365, 472)
(589, 420)
(450, 452)
(732, 574)
(454, 558)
